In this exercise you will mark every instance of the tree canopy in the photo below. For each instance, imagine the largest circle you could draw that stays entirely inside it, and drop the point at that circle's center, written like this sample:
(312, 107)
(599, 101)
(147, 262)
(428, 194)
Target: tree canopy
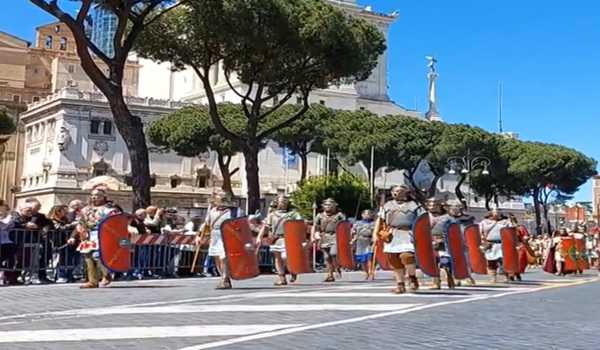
(189, 133)
(350, 193)
(270, 51)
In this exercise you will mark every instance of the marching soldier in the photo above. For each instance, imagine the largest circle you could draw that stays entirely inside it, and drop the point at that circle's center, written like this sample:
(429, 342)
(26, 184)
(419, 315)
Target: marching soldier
(324, 233)
(490, 231)
(274, 228)
(222, 209)
(440, 221)
(362, 237)
(98, 209)
(400, 214)
(455, 210)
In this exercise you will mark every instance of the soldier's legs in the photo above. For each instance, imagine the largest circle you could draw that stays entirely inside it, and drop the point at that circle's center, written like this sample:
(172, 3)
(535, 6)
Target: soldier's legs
(399, 269)
(225, 282)
(280, 268)
(92, 272)
(330, 263)
(492, 268)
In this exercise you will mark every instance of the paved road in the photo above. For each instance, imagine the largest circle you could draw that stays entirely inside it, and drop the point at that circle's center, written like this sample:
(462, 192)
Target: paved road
(544, 312)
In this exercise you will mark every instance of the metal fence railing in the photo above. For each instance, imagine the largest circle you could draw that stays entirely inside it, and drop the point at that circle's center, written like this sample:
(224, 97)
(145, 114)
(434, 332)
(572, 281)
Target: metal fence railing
(29, 256)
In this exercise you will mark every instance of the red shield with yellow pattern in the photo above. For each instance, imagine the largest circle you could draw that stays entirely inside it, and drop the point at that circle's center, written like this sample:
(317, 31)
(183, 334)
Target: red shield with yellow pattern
(114, 243)
(582, 259)
(297, 248)
(426, 258)
(240, 249)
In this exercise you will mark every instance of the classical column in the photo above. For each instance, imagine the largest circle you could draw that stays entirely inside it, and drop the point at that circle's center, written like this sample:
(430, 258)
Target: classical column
(432, 113)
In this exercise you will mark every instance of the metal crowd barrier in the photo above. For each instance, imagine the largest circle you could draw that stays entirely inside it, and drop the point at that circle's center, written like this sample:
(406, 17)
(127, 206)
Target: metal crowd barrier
(29, 256)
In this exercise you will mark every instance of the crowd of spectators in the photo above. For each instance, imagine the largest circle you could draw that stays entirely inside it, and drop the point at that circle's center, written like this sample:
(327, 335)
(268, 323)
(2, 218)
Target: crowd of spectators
(38, 248)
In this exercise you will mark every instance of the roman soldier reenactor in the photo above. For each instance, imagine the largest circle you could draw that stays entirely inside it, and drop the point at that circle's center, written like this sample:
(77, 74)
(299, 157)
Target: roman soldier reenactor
(97, 210)
(490, 228)
(222, 209)
(455, 210)
(439, 226)
(399, 215)
(362, 238)
(324, 229)
(274, 228)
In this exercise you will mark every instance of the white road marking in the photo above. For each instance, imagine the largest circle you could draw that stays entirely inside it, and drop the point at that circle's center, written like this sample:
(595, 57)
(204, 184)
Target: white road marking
(367, 295)
(240, 296)
(373, 317)
(119, 333)
(192, 309)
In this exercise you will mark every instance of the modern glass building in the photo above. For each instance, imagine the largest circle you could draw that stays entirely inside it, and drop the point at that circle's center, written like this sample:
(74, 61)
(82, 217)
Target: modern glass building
(104, 26)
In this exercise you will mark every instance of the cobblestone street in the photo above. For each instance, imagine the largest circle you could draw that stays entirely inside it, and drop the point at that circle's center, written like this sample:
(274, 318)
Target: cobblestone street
(543, 312)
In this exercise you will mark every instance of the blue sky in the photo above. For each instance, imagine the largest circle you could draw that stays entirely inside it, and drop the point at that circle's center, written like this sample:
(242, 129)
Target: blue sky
(546, 53)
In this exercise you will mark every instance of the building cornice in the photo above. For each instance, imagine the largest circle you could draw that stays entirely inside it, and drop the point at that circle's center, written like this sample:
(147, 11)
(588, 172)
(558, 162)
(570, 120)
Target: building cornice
(75, 97)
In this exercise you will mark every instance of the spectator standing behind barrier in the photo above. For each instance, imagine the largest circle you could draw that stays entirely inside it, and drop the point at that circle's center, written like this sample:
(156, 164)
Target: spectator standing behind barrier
(64, 243)
(154, 219)
(31, 250)
(170, 255)
(142, 252)
(154, 222)
(8, 248)
(74, 212)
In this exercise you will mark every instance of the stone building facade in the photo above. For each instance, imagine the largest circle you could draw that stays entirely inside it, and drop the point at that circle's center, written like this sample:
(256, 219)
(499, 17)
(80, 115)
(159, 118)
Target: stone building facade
(30, 72)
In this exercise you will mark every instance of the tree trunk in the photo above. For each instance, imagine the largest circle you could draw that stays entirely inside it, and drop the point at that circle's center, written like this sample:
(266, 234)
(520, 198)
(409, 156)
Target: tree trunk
(224, 168)
(458, 191)
(250, 152)
(488, 199)
(131, 129)
(304, 166)
(433, 186)
(548, 223)
(536, 208)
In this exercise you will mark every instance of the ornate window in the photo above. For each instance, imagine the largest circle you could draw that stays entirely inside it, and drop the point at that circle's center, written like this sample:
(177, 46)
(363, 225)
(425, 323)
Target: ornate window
(63, 44)
(48, 42)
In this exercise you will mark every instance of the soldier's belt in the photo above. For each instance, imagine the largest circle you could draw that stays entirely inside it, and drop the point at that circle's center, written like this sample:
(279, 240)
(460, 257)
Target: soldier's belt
(405, 227)
(490, 241)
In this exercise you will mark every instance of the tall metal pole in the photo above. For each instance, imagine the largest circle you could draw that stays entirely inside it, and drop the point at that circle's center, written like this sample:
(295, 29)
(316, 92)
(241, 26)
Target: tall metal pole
(328, 157)
(372, 175)
(500, 126)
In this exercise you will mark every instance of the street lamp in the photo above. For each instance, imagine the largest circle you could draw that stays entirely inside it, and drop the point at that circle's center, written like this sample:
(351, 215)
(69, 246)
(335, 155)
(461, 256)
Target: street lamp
(467, 164)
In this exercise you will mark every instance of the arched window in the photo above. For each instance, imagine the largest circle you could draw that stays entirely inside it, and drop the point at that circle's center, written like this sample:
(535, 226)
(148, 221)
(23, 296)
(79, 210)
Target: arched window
(48, 43)
(63, 44)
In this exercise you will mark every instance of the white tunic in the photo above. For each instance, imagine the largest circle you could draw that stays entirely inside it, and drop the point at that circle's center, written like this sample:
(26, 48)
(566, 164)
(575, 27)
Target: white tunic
(215, 218)
(490, 229)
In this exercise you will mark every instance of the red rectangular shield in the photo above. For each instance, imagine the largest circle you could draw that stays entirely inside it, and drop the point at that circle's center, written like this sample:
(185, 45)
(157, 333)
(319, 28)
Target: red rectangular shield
(114, 243)
(568, 251)
(426, 258)
(510, 256)
(476, 257)
(456, 248)
(297, 247)
(240, 249)
(343, 237)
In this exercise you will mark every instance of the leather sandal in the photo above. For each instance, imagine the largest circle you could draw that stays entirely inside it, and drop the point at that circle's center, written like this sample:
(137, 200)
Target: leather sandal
(329, 279)
(293, 278)
(105, 282)
(88, 285)
(281, 282)
(400, 289)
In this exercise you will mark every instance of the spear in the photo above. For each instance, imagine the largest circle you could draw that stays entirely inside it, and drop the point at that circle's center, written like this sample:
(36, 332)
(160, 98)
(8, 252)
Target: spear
(314, 222)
